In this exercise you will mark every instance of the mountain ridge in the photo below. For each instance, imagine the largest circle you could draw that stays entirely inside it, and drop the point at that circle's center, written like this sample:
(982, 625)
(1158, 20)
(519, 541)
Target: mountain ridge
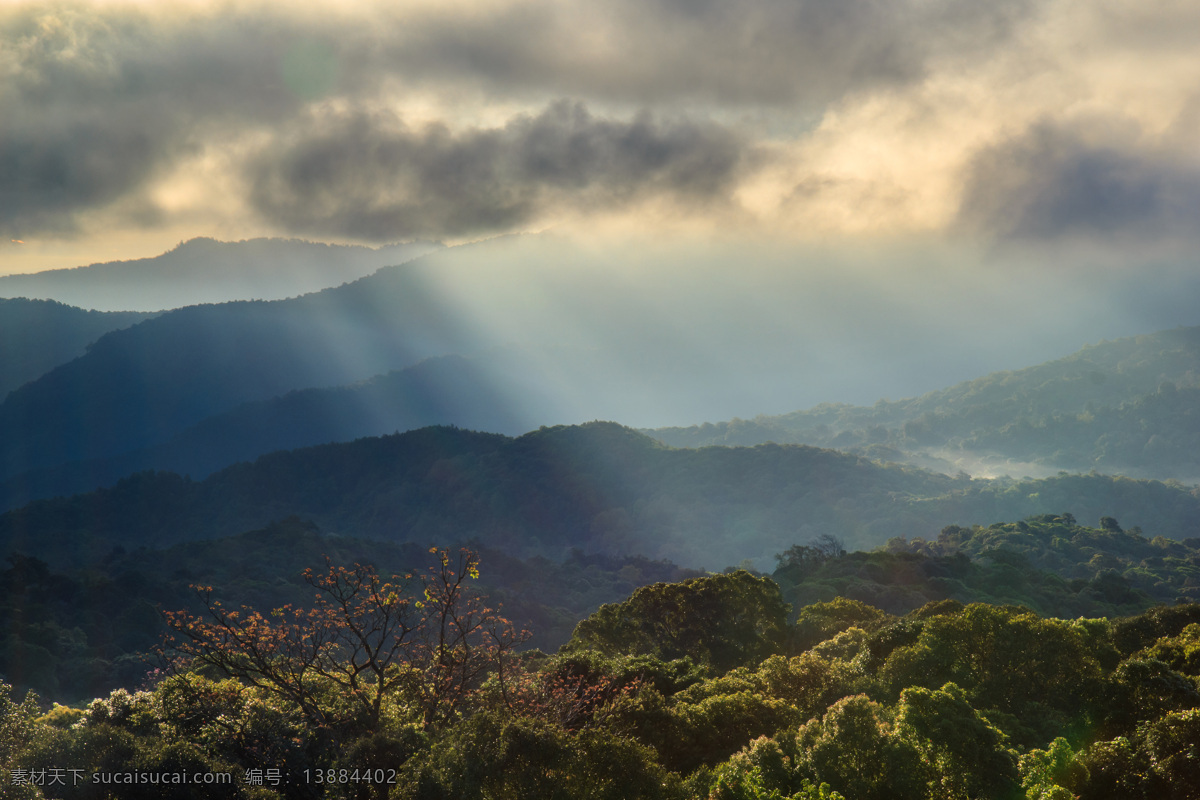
(600, 487)
(206, 270)
(38, 335)
(1033, 417)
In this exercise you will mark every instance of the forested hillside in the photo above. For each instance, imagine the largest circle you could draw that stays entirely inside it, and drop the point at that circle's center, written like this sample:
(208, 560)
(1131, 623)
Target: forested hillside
(599, 487)
(476, 393)
(488, 392)
(1121, 407)
(74, 633)
(38, 335)
(700, 689)
(580, 345)
(1048, 563)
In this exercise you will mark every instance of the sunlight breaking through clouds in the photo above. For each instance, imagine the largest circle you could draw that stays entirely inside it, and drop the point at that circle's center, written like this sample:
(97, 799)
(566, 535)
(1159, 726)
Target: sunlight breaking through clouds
(374, 121)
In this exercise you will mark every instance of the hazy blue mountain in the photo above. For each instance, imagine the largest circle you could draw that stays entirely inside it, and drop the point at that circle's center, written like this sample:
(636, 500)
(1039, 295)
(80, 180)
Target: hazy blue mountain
(607, 335)
(208, 271)
(599, 487)
(505, 390)
(474, 393)
(139, 386)
(1130, 406)
(670, 350)
(38, 335)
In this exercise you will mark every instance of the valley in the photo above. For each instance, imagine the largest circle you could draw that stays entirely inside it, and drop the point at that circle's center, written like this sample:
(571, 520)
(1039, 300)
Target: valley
(238, 445)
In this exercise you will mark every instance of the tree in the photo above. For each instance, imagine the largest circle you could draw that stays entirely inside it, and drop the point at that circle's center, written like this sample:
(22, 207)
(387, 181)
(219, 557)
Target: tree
(1141, 690)
(500, 757)
(722, 621)
(801, 559)
(18, 726)
(855, 751)
(1114, 769)
(966, 752)
(427, 641)
(1053, 773)
(765, 770)
(1004, 658)
(818, 622)
(1173, 744)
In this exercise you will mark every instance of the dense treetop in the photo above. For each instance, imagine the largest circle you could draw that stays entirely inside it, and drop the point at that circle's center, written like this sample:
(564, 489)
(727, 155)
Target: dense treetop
(697, 689)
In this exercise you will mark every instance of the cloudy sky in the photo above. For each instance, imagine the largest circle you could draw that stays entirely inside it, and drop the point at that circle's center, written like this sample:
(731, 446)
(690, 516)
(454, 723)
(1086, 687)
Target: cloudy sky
(1051, 127)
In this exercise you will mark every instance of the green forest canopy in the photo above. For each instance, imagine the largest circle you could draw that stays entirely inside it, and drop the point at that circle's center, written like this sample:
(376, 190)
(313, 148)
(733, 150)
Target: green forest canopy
(704, 688)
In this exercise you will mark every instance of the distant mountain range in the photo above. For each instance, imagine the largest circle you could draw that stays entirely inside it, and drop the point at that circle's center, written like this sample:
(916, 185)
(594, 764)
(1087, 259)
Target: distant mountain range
(139, 386)
(508, 335)
(504, 336)
(51, 317)
(208, 271)
(598, 487)
(1130, 406)
(587, 347)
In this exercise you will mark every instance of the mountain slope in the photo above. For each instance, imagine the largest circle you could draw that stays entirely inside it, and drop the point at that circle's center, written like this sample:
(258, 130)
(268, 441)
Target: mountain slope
(208, 271)
(1126, 406)
(449, 390)
(599, 487)
(505, 390)
(38, 335)
(137, 387)
(673, 349)
(611, 337)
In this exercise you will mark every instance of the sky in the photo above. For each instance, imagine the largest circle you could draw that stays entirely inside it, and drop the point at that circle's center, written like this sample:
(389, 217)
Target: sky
(1062, 126)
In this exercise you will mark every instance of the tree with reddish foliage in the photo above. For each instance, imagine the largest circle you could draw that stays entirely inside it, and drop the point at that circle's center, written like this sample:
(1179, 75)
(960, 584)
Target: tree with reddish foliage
(566, 695)
(428, 641)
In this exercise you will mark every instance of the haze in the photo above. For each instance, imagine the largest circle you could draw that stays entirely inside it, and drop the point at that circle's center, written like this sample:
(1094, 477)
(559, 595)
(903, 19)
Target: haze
(877, 199)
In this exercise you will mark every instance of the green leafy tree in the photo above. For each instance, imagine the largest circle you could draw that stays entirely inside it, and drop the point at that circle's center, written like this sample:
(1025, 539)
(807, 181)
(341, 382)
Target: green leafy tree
(820, 621)
(1004, 658)
(766, 770)
(18, 727)
(853, 749)
(1142, 690)
(1115, 768)
(713, 728)
(1052, 773)
(1172, 745)
(235, 721)
(807, 682)
(967, 753)
(722, 621)
(1181, 653)
(499, 757)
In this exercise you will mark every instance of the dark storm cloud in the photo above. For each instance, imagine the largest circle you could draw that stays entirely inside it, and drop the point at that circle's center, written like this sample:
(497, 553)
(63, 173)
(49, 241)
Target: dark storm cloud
(370, 176)
(809, 52)
(47, 173)
(97, 102)
(1060, 183)
(94, 103)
